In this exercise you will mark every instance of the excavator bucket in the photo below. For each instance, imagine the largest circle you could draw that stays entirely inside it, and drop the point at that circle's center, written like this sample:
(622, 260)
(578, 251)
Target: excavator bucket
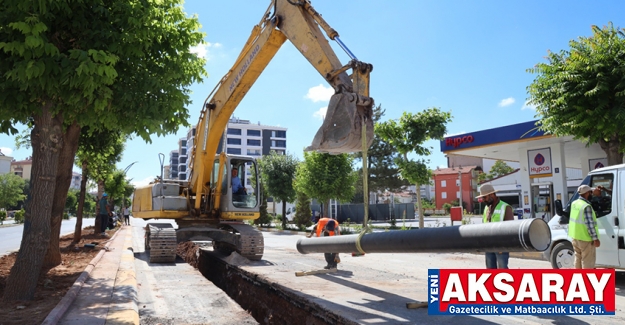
(341, 131)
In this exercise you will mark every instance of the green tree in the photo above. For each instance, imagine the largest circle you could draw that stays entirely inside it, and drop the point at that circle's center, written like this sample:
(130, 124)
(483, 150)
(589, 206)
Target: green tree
(97, 155)
(382, 170)
(71, 203)
(11, 190)
(581, 91)
(499, 168)
(323, 177)
(277, 173)
(303, 212)
(111, 65)
(264, 218)
(408, 135)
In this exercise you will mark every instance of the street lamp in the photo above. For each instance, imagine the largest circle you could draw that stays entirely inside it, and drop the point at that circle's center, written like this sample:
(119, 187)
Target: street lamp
(124, 194)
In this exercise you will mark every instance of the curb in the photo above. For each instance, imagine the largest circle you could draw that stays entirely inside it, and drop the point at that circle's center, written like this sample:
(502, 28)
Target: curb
(124, 308)
(57, 313)
(294, 232)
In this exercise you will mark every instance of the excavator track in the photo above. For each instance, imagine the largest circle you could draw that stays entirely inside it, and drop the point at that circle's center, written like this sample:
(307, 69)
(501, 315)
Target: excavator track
(251, 243)
(160, 240)
(227, 237)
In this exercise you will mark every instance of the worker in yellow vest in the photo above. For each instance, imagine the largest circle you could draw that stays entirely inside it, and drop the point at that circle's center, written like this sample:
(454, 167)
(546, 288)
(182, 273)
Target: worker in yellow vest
(583, 229)
(496, 210)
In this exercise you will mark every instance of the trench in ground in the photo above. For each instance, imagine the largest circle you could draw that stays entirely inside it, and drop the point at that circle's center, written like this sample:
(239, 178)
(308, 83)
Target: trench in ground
(267, 301)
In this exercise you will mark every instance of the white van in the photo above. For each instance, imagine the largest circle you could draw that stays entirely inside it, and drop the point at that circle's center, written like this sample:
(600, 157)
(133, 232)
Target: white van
(610, 211)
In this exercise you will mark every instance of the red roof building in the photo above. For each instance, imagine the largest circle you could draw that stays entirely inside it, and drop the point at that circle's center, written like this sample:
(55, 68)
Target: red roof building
(447, 182)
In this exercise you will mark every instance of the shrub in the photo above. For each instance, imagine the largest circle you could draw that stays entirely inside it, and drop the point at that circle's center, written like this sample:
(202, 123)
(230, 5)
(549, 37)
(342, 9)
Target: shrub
(65, 216)
(19, 216)
(3, 216)
(447, 207)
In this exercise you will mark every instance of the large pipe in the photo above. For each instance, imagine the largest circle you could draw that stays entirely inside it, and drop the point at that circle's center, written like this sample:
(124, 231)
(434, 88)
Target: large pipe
(528, 235)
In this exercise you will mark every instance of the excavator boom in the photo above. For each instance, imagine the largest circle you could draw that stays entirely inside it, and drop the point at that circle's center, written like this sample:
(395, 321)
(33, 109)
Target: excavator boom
(350, 108)
(206, 206)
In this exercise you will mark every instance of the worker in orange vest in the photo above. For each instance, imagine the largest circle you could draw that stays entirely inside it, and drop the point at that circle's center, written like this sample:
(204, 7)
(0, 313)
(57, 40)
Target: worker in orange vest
(327, 227)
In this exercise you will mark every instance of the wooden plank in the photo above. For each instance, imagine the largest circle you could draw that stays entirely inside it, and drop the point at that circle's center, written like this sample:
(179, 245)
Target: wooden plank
(303, 273)
(416, 304)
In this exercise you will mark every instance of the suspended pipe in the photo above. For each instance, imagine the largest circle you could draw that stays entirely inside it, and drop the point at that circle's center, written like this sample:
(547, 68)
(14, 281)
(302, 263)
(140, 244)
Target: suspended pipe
(530, 235)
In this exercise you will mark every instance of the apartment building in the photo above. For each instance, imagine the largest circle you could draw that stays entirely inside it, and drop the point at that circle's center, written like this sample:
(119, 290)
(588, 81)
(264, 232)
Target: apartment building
(240, 138)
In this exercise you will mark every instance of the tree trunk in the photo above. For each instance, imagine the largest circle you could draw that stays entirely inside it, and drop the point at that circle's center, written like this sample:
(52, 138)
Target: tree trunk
(326, 213)
(47, 142)
(611, 149)
(284, 214)
(63, 181)
(98, 224)
(81, 203)
(419, 206)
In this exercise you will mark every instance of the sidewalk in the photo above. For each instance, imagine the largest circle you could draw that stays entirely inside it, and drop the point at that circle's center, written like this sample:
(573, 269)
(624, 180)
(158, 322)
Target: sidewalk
(106, 292)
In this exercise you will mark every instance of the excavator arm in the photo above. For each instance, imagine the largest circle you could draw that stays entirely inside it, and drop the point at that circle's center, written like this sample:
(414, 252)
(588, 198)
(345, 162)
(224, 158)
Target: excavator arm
(349, 110)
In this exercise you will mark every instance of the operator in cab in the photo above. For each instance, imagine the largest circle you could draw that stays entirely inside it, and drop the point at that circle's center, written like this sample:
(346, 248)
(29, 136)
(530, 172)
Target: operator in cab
(237, 187)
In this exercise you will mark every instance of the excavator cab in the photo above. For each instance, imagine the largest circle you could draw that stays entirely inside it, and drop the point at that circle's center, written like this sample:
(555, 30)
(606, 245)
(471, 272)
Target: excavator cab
(235, 189)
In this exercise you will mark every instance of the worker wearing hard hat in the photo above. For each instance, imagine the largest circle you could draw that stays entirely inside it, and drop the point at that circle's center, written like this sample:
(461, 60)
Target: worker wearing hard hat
(496, 210)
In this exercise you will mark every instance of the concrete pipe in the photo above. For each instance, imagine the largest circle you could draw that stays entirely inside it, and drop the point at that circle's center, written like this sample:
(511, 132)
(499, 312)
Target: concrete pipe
(530, 235)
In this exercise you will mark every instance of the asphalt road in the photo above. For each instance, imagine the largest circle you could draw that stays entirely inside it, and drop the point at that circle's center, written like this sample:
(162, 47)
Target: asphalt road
(370, 289)
(376, 287)
(12, 235)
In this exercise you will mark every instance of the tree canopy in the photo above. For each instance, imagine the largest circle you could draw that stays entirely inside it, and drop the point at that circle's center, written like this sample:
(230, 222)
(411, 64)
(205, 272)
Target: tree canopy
(107, 65)
(499, 168)
(278, 173)
(409, 135)
(580, 92)
(323, 176)
(11, 190)
(381, 165)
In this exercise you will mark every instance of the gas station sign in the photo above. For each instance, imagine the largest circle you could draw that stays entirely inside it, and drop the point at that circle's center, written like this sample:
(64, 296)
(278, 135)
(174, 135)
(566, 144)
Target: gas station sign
(597, 163)
(539, 162)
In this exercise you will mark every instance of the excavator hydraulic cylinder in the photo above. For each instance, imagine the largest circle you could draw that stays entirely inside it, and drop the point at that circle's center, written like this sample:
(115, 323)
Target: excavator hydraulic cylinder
(528, 235)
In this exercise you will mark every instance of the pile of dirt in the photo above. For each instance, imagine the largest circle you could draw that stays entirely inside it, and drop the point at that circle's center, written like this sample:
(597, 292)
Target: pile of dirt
(53, 285)
(189, 252)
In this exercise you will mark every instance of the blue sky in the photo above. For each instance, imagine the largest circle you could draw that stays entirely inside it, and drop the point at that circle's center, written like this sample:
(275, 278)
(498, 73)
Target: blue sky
(466, 57)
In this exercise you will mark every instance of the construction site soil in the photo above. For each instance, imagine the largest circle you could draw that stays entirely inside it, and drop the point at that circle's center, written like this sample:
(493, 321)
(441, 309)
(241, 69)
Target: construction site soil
(53, 284)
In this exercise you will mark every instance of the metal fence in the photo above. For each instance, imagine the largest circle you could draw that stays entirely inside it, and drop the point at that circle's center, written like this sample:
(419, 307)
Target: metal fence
(377, 212)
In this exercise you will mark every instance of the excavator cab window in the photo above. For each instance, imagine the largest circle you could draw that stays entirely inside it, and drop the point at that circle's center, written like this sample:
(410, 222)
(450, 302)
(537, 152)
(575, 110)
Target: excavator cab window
(242, 189)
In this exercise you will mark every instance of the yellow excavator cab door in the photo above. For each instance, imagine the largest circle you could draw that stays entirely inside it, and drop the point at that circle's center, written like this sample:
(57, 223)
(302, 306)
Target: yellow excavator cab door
(239, 197)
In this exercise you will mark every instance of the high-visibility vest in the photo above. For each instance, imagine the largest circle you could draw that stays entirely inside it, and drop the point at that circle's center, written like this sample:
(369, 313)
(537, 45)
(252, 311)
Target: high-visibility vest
(321, 224)
(499, 213)
(577, 225)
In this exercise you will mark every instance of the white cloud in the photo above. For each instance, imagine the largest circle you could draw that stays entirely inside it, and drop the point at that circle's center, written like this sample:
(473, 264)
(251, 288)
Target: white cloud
(142, 182)
(506, 102)
(452, 134)
(6, 151)
(202, 50)
(321, 113)
(527, 105)
(320, 93)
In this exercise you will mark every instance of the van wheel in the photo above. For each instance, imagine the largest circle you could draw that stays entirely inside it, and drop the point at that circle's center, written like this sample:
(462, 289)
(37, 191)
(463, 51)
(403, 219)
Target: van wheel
(563, 256)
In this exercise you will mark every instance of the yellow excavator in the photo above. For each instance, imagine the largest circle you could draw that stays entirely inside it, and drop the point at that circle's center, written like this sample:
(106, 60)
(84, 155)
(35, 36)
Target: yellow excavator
(205, 207)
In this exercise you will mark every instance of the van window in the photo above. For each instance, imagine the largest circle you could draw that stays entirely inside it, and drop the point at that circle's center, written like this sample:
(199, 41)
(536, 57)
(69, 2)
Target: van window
(602, 203)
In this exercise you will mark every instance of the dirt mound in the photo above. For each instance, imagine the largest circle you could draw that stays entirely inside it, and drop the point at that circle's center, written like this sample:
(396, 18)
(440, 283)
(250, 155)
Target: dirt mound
(189, 252)
(53, 284)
